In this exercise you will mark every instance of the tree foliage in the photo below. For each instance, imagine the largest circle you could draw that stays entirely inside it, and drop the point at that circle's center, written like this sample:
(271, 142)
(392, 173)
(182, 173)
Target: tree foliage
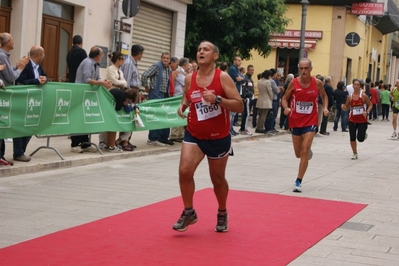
(235, 26)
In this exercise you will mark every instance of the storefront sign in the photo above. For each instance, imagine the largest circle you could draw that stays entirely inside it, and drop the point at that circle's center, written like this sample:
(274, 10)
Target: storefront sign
(292, 43)
(297, 34)
(363, 8)
(122, 26)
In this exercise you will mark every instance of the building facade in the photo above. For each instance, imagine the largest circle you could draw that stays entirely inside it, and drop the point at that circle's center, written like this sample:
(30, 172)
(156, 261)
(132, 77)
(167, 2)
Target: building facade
(159, 26)
(340, 44)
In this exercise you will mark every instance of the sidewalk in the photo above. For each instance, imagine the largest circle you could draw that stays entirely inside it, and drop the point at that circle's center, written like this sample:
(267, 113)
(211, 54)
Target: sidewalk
(46, 159)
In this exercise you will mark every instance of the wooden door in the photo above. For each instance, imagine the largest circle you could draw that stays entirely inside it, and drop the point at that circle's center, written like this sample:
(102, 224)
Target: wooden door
(5, 15)
(56, 40)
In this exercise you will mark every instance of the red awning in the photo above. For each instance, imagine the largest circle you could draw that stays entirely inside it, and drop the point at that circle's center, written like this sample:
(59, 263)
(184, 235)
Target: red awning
(292, 43)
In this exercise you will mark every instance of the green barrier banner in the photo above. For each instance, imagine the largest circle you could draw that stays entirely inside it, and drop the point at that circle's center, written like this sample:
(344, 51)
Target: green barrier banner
(69, 108)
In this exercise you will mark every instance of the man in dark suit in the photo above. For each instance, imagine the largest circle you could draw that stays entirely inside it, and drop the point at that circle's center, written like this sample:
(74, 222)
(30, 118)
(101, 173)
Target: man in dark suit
(75, 56)
(32, 74)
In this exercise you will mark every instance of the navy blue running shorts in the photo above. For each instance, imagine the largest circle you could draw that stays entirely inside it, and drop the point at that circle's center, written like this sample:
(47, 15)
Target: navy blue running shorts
(298, 131)
(214, 149)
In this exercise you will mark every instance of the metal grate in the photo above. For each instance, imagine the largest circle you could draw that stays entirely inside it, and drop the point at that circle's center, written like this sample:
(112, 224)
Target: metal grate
(356, 226)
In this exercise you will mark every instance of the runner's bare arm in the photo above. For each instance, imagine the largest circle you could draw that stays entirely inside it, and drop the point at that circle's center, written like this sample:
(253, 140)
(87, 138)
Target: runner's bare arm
(345, 106)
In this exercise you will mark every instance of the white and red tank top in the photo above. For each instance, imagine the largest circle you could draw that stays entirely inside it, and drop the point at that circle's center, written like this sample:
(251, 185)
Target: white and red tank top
(207, 120)
(357, 109)
(304, 105)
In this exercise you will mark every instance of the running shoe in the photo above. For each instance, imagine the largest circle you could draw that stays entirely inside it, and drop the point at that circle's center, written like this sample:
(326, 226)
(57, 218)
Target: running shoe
(187, 218)
(222, 224)
(394, 135)
(297, 186)
(354, 156)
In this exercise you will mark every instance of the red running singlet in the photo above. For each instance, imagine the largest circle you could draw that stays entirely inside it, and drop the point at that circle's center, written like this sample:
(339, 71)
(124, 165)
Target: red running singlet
(207, 121)
(304, 105)
(357, 110)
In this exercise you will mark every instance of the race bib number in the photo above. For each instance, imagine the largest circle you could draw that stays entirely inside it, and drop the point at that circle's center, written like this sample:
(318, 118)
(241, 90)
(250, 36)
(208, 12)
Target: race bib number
(357, 110)
(397, 104)
(304, 108)
(205, 112)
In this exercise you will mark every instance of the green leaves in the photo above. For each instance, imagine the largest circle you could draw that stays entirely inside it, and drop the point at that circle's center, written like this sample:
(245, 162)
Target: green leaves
(235, 26)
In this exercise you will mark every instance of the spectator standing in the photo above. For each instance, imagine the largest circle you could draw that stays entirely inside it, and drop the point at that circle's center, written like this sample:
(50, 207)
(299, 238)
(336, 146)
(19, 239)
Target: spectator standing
(265, 100)
(283, 118)
(340, 95)
(247, 93)
(252, 103)
(330, 95)
(158, 74)
(385, 102)
(272, 115)
(177, 133)
(32, 74)
(234, 73)
(131, 73)
(74, 57)
(374, 101)
(89, 73)
(8, 75)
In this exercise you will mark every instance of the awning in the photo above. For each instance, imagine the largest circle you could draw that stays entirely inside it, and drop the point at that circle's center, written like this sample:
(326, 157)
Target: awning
(292, 43)
(390, 21)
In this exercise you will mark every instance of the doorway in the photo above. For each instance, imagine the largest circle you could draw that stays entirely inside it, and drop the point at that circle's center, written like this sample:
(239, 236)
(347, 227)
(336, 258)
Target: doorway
(56, 39)
(288, 60)
(5, 15)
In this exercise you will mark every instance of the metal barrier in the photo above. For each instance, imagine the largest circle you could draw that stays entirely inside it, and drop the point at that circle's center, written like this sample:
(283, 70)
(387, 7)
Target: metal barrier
(60, 135)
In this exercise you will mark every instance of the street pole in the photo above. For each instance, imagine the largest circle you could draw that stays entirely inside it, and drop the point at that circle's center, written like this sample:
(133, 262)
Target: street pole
(304, 4)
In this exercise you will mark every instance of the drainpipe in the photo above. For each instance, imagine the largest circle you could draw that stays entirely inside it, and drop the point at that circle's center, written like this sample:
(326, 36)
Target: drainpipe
(116, 10)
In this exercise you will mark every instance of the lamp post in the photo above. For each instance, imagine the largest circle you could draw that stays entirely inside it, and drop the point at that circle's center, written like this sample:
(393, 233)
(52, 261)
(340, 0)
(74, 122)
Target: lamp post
(304, 4)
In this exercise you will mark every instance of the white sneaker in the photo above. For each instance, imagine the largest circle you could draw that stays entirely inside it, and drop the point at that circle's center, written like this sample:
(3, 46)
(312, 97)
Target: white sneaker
(115, 149)
(76, 149)
(155, 143)
(90, 149)
(102, 145)
(245, 132)
(297, 187)
(354, 156)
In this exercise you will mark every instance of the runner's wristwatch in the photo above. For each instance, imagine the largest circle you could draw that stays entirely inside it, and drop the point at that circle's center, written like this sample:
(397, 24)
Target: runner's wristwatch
(218, 99)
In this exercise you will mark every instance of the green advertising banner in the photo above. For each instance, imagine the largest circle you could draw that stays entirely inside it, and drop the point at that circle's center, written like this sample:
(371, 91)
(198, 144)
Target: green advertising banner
(69, 108)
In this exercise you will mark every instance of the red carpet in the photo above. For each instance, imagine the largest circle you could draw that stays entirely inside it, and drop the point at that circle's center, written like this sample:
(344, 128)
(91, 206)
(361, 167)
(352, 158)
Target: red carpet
(265, 229)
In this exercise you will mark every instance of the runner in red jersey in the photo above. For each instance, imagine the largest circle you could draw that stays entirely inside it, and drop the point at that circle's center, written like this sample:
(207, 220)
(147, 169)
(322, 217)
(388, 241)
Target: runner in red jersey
(302, 95)
(357, 116)
(213, 120)
(210, 94)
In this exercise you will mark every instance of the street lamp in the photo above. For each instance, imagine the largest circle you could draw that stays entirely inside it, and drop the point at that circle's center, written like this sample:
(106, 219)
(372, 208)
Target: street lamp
(304, 4)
